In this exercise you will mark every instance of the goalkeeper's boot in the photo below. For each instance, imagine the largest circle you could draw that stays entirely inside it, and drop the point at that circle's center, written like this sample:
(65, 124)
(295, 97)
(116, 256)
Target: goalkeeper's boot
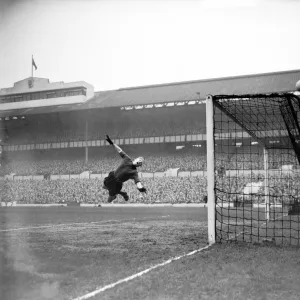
(111, 198)
(124, 195)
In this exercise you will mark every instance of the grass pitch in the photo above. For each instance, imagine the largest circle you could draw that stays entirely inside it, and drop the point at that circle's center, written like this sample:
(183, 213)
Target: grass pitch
(64, 253)
(225, 271)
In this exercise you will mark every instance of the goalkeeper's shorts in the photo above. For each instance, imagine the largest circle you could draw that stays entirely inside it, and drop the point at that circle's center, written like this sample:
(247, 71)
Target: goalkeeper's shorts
(113, 185)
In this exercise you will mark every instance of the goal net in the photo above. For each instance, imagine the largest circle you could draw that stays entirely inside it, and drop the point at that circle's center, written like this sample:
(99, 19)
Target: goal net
(253, 153)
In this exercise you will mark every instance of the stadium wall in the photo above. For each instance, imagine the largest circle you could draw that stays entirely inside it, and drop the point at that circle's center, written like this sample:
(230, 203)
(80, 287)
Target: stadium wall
(146, 175)
(88, 175)
(101, 176)
(15, 204)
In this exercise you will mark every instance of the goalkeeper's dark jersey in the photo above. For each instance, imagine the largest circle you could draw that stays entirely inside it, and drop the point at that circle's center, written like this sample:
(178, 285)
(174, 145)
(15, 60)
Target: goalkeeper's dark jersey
(126, 170)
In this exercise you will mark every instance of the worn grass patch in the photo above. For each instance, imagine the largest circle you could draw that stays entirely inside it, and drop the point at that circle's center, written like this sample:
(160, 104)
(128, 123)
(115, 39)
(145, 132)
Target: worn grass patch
(63, 262)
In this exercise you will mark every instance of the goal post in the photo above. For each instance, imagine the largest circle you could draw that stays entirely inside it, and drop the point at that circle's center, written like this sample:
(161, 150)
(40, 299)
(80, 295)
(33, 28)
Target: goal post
(256, 140)
(210, 170)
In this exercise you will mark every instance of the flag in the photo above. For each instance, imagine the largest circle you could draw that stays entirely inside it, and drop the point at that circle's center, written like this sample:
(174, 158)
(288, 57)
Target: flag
(33, 64)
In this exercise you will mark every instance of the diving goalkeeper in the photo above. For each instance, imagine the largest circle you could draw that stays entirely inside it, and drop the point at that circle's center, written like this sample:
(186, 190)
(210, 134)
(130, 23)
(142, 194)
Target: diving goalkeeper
(126, 170)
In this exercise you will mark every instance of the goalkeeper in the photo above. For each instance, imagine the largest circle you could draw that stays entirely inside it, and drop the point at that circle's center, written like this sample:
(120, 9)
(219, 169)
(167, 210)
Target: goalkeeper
(126, 170)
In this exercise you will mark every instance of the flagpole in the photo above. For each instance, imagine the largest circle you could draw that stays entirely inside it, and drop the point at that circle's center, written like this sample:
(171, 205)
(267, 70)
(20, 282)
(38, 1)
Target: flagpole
(31, 66)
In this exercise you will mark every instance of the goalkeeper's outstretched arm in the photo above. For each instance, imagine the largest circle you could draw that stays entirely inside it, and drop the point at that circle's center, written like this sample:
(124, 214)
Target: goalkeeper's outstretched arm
(120, 151)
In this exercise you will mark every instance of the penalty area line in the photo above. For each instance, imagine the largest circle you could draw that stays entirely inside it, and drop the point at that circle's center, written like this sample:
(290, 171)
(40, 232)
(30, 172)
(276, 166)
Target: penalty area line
(112, 285)
(105, 222)
(51, 226)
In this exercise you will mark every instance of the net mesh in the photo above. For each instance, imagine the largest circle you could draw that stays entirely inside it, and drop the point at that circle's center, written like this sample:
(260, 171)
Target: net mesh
(257, 168)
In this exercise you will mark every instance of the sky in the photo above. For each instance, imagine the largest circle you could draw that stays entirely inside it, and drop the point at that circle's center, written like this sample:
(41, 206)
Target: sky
(114, 44)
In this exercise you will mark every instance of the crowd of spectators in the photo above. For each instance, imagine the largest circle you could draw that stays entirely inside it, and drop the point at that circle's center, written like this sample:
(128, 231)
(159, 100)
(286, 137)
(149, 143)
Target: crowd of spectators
(153, 163)
(160, 190)
(281, 187)
(254, 159)
(185, 161)
(164, 189)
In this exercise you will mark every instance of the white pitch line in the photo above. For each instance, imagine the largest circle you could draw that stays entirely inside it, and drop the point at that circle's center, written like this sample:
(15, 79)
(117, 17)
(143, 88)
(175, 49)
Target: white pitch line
(109, 286)
(68, 224)
(51, 226)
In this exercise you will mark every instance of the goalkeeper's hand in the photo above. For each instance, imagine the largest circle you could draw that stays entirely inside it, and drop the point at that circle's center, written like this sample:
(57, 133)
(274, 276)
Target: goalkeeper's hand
(142, 190)
(109, 140)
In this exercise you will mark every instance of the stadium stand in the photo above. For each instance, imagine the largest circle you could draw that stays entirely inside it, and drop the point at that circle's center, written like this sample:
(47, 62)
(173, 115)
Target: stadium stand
(121, 124)
(175, 110)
